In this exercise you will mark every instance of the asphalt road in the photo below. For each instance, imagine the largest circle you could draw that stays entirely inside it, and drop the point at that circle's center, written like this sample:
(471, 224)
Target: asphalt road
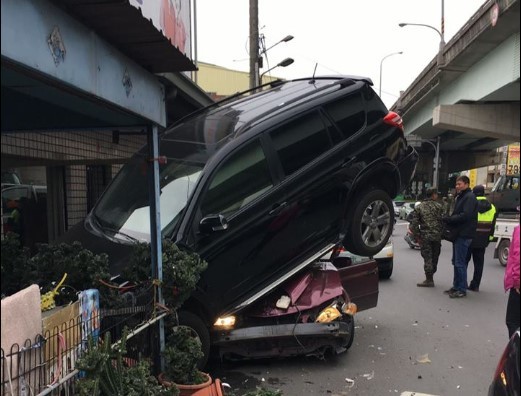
(415, 340)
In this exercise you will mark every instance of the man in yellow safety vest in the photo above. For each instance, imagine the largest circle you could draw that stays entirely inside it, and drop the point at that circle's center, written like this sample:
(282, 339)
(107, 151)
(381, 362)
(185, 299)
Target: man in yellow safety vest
(484, 233)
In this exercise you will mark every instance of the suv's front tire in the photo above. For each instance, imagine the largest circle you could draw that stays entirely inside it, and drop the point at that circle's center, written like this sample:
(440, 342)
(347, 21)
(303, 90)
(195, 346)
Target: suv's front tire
(369, 223)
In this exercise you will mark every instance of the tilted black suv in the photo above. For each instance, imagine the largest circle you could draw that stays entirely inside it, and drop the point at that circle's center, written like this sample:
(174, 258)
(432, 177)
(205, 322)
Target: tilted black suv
(260, 183)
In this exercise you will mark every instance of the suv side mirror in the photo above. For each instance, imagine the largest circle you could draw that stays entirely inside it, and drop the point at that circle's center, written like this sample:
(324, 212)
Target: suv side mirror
(213, 223)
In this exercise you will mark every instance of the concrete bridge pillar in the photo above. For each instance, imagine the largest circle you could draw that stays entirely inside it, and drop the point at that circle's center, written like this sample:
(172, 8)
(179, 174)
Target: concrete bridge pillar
(498, 121)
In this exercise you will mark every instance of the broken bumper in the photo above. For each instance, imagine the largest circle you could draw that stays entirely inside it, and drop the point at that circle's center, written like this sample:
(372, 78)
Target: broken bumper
(282, 340)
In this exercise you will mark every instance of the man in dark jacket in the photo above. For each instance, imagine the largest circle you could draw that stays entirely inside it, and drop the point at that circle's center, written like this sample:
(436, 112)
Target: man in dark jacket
(464, 220)
(484, 233)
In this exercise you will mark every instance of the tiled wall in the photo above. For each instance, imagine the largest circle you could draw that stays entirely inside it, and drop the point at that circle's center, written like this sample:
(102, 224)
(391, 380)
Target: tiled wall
(73, 150)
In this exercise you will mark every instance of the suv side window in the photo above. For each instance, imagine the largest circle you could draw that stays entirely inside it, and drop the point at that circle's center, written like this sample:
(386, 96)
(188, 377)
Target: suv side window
(239, 180)
(348, 113)
(300, 141)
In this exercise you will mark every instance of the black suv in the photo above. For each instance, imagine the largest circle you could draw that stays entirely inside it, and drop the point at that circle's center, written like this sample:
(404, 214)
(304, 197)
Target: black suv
(260, 183)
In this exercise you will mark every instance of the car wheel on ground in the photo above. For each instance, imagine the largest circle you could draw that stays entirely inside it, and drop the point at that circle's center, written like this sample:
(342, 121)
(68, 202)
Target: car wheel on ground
(370, 223)
(502, 251)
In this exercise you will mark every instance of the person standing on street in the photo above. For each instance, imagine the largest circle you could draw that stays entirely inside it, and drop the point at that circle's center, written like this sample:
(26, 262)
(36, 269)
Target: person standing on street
(427, 226)
(463, 221)
(511, 282)
(484, 234)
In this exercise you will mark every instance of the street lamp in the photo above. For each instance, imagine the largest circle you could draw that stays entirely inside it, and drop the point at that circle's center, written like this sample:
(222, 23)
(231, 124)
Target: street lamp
(381, 62)
(259, 62)
(416, 141)
(289, 37)
(441, 33)
(284, 63)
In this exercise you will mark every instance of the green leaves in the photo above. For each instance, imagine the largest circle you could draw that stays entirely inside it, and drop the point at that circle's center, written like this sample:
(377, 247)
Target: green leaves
(107, 375)
(181, 271)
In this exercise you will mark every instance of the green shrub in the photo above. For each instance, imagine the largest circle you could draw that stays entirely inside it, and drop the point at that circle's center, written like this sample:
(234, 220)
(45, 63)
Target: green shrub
(107, 375)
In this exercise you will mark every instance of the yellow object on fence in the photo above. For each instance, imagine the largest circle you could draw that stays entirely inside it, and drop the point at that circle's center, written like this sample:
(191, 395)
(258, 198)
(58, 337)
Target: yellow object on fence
(47, 301)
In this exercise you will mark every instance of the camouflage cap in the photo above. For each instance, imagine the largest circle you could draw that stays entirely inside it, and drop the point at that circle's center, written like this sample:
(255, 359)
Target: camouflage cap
(432, 190)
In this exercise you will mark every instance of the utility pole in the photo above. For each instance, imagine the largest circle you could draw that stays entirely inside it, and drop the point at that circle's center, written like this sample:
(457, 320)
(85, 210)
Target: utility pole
(254, 43)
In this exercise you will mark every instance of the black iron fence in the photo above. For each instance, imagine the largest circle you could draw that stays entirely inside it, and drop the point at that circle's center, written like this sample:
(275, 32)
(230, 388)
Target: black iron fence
(46, 365)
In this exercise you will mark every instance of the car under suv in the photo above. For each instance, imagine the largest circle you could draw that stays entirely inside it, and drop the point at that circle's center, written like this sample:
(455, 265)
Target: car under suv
(260, 184)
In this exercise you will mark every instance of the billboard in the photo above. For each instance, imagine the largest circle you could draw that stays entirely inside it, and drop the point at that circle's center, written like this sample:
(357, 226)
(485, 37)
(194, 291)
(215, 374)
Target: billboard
(172, 18)
(513, 159)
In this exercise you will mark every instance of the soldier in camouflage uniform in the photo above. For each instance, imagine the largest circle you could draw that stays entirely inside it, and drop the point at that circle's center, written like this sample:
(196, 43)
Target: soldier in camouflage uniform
(427, 227)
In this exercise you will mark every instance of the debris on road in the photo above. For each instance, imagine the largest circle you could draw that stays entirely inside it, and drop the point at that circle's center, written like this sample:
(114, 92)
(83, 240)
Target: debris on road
(423, 358)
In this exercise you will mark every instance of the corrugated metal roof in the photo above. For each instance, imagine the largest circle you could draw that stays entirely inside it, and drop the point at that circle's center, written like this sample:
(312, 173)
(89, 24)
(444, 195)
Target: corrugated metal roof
(127, 29)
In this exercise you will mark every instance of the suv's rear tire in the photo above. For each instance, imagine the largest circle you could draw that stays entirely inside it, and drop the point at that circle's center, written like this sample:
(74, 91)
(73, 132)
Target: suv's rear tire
(195, 323)
(370, 223)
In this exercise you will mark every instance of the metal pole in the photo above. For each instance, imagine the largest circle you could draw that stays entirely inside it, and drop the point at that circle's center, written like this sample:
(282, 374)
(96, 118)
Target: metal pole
(195, 41)
(254, 43)
(156, 253)
(443, 21)
(437, 162)
(381, 64)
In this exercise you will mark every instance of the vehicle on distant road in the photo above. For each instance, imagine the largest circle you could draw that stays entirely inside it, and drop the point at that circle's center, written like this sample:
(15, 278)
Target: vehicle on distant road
(505, 225)
(384, 258)
(505, 193)
(406, 209)
(397, 205)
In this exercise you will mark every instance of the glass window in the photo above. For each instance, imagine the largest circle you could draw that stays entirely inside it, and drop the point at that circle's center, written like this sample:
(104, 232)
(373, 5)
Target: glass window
(348, 113)
(242, 178)
(124, 207)
(300, 142)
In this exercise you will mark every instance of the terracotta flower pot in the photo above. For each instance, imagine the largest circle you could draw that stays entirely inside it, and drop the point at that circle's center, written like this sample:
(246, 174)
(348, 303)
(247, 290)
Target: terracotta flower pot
(189, 390)
(215, 389)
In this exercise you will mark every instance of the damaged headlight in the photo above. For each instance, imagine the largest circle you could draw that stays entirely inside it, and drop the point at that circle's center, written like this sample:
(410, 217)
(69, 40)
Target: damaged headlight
(225, 323)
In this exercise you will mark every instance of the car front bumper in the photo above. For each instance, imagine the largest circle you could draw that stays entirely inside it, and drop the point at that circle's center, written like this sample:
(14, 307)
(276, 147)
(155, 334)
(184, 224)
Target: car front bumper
(282, 340)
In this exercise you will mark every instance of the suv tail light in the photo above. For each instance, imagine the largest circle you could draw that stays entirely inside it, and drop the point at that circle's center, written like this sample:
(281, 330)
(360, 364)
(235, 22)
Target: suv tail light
(394, 119)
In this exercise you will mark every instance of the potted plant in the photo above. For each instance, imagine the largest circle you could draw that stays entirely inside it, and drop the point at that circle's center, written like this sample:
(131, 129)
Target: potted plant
(182, 353)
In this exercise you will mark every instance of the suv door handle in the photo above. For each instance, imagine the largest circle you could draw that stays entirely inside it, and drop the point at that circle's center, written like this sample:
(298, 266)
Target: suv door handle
(277, 208)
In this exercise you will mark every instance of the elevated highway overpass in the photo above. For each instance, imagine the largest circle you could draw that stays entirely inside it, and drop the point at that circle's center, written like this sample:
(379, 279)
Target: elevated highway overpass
(470, 101)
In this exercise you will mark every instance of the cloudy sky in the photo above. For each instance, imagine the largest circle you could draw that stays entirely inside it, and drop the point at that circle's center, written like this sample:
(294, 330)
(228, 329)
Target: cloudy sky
(341, 36)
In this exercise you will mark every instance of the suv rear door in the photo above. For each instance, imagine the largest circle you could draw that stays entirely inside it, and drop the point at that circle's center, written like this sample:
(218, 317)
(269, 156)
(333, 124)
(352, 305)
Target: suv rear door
(310, 168)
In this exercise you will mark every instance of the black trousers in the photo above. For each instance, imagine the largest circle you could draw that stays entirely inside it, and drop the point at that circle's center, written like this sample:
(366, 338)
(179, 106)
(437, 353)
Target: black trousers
(478, 256)
(513, 315)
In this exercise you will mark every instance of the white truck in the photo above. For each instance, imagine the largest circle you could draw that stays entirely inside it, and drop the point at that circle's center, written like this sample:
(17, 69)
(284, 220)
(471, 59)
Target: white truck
(503, 232)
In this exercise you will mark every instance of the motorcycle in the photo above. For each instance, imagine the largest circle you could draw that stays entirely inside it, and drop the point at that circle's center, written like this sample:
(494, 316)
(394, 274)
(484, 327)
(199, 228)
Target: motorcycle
(309, 314)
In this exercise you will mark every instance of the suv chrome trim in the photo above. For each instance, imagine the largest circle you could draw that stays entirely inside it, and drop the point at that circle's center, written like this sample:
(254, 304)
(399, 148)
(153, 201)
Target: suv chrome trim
(282, 279)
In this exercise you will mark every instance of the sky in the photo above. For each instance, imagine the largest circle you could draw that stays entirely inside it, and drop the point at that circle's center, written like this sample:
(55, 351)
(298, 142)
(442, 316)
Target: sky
(339, 36)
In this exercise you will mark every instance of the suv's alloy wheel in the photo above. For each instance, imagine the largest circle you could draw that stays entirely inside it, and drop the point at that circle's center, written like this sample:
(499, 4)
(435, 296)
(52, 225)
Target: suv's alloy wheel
(370, 223)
